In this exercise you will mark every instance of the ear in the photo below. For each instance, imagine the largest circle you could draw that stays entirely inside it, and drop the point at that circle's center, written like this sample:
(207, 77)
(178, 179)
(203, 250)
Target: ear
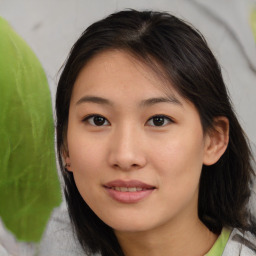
(216, 141)
(66, 159)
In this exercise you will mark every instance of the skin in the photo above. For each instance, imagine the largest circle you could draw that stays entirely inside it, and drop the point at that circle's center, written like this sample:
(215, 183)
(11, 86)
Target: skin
(129, 146)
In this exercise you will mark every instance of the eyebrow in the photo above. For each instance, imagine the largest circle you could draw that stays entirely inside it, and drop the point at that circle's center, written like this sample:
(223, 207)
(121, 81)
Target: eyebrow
(145, 103)
(94, 99)
(151, 101)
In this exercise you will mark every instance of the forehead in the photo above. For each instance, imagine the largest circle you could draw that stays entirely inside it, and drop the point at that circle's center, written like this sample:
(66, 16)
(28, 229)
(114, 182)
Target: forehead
(119, 70)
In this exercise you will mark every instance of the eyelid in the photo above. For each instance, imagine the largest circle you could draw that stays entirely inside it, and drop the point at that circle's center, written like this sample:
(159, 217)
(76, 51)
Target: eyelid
(89, 116)
(170, 120)
(86, 119)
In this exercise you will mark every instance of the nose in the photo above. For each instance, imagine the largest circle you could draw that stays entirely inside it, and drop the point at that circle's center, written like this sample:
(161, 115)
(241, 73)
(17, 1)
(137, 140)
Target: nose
(126, 151)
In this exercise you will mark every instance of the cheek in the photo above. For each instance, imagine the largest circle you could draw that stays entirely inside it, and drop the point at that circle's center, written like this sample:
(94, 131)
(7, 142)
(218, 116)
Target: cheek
(179, 176)
(180, 161)
(86, 157)
(86, 162)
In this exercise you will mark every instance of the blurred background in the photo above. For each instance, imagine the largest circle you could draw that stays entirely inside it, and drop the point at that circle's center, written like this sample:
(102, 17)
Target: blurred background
(50, 27)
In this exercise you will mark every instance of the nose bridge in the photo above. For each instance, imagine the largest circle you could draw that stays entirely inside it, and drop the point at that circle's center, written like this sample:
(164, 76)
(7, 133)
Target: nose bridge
(126, 147)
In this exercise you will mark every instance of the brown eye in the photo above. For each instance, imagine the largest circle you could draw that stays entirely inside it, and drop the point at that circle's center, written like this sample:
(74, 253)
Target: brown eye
(97, 120)
(159, 120)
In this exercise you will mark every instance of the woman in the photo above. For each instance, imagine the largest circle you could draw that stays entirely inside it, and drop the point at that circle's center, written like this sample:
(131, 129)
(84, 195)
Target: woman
(153, 157)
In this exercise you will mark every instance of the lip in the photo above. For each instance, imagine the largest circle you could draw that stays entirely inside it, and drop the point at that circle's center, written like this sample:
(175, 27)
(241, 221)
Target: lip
(143, 190)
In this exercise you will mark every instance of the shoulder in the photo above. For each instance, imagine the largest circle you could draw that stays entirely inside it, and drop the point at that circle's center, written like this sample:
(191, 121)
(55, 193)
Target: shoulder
(240, 243)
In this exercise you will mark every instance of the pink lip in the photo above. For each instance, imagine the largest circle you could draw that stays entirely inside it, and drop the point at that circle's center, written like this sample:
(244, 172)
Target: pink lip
(128, 197)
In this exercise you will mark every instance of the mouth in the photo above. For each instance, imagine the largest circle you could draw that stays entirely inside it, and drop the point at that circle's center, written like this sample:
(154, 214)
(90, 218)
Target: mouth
(131, 191)
(128, 189)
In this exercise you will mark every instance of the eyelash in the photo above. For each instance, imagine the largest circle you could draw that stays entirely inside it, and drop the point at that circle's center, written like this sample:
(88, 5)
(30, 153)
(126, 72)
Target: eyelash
(87, 119)
(166, 120)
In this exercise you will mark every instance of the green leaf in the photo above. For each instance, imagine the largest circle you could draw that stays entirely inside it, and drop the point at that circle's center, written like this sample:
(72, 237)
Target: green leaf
(29, 184)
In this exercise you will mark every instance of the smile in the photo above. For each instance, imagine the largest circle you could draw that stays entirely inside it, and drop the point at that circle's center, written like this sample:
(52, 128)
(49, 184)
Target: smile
(125, 189)
(131, 191)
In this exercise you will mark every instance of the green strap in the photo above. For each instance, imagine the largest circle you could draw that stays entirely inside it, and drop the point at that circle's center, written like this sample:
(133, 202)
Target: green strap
(220, 244)
(29, 185)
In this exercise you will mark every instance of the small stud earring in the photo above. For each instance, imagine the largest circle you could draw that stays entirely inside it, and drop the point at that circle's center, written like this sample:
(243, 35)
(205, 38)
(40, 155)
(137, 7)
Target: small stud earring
(67, 165)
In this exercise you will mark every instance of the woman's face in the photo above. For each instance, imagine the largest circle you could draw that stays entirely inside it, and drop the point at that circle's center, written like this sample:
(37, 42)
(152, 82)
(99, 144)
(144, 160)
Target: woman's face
(136, 152)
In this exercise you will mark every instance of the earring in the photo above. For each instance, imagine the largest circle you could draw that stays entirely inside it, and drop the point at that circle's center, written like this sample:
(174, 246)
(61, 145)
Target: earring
(67, 165)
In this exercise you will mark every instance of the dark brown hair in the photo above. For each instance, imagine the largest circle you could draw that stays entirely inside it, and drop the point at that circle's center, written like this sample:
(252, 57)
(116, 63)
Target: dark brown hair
(181, 52)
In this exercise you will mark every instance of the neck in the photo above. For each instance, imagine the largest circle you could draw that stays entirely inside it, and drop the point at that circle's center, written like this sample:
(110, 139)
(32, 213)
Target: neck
(192, 238)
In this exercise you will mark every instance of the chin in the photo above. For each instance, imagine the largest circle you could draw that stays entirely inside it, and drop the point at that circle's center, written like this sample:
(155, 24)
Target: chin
(130, 224)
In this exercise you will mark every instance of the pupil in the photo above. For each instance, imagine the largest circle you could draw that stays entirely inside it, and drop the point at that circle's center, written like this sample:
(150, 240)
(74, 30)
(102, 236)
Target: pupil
(98, 120)
(158, 121)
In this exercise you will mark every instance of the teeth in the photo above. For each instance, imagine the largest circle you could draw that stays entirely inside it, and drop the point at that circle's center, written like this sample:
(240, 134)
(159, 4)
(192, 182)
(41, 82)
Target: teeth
(124, 189)
(132, 189)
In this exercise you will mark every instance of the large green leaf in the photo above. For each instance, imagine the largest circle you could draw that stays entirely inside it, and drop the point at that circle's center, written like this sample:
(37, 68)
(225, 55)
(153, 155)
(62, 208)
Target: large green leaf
(29, 185)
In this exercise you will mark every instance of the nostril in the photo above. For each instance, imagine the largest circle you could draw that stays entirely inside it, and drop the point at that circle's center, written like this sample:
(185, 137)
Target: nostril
(123, 160)
(126, 167)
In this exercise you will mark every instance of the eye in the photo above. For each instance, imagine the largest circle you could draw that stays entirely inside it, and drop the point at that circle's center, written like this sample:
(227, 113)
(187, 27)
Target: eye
(96, 120)
(159, 120)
